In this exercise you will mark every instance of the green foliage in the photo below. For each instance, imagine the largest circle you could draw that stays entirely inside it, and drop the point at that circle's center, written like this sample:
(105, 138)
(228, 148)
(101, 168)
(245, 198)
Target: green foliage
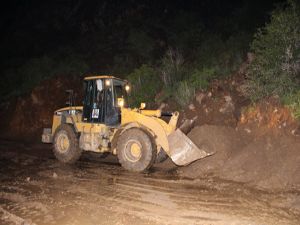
(200, 79)
(166, 93)
(224, 55)
(183, 93)
(171, 68)
(145, 84)
(276, 66)
(293, 102)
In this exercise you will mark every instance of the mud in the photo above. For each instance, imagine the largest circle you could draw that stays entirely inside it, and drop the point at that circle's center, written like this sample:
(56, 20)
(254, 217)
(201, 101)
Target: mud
(36, 189)
(266, 161)
(223, 141)
(25, 117)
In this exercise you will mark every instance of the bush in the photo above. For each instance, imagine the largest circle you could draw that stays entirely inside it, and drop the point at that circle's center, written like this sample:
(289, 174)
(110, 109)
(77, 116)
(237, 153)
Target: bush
(200, 79)
(145, 84)
(171, 68)
(183, 93)
(293, 102)
(276, 66)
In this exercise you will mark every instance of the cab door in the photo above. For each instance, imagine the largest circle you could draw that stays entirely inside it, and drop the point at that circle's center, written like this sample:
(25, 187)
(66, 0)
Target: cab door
(94, 104)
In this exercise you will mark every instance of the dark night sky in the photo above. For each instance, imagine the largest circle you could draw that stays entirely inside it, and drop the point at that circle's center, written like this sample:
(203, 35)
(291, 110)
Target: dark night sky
(32, 28)
(65, 16)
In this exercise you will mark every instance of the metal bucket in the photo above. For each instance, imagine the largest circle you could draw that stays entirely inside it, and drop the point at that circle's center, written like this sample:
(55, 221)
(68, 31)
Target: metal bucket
(183, 151)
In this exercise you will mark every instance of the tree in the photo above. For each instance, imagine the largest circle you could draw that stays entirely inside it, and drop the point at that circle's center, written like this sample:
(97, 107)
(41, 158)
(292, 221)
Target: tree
(276, 66)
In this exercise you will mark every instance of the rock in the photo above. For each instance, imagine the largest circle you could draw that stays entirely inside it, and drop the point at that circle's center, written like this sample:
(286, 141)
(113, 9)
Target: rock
(192, 107)
(200, 97)
(228, 107)
(27, 222)
(54, 175)
(247, 130)
(228, 98)
(243, 89)
(27, 179)
(34, 98)
(296, 131)
(209, 94)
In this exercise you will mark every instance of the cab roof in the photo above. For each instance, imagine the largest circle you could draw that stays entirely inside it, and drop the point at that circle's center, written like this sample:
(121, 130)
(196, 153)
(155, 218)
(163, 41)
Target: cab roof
(102, 77)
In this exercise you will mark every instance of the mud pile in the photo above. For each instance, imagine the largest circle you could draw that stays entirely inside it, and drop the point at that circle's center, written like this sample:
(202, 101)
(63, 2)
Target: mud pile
(270, 161)
(221, 104)
(224, 141)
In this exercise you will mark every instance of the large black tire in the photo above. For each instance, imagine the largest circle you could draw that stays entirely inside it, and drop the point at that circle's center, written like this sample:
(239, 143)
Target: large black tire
(136, 160)
(66, 147)
(161, 156)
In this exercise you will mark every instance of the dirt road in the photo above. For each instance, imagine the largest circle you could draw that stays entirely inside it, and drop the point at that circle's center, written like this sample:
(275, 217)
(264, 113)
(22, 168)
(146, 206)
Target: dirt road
(36, 189)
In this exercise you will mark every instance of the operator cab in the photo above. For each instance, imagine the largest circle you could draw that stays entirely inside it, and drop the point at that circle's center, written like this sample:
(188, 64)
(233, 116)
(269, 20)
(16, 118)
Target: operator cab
(103, 98)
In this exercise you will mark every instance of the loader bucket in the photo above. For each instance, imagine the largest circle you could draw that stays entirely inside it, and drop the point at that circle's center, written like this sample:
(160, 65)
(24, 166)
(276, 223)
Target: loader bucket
(183, 151)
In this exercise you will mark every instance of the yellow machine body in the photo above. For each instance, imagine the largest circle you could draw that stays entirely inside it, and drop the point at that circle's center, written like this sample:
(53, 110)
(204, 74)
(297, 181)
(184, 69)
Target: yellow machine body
(144, 119)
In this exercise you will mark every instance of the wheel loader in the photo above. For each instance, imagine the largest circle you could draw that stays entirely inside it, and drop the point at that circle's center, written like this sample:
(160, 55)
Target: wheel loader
(105, 124)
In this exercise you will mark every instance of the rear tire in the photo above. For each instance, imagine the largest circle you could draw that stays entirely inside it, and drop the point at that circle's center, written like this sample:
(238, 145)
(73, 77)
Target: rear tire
(66, 147)
(136, 150)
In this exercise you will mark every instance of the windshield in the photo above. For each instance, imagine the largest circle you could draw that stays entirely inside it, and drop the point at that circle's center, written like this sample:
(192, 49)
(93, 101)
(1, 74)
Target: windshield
(119, 90)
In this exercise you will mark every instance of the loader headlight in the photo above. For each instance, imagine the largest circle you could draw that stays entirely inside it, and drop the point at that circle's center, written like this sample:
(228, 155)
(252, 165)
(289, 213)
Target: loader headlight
(121, 102)
(143, 105)
(107, 82)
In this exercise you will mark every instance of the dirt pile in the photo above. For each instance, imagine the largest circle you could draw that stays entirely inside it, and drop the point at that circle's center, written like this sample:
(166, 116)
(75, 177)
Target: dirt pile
(268, 161)
(28, 115)
(255, 143)
(224, 141)
(272, 161)
(221, 104)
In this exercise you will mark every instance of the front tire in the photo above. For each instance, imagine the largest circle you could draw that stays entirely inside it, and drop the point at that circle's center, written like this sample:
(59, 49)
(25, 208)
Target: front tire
(136, 150)
(66, 147)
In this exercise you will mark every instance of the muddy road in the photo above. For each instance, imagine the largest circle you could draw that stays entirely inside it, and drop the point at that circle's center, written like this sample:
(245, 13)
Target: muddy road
(36, 189)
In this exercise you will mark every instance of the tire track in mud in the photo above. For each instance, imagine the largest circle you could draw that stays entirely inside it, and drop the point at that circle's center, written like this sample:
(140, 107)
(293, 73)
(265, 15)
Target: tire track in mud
(103, 193)
(134, 194)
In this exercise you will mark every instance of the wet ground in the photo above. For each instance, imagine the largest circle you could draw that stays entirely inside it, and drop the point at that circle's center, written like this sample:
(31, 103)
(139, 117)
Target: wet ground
(36, 189)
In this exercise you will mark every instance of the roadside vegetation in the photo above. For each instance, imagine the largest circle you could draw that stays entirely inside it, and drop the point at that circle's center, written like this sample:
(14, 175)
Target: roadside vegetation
(275, 70)
(174, 57)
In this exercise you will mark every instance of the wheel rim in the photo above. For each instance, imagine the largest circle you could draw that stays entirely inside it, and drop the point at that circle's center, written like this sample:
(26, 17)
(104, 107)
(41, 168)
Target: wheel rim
(133, 151)
(62, 143)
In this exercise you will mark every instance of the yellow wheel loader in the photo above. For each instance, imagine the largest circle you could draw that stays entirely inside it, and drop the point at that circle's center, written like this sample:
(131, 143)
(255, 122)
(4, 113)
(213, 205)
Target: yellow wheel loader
(105, 124)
